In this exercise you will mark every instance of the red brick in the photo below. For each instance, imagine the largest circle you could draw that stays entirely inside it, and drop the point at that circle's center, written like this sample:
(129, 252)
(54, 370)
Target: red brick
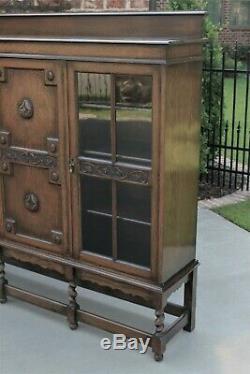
(227, 35)
(116, 4)
(53, 4)
(4, 3)
(139, 4)
(93, 4)
(75, 4)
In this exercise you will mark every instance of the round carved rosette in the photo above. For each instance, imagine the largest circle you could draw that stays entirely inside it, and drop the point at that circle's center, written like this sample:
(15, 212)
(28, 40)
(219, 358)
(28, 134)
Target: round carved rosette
(25, 108)
(31, 202)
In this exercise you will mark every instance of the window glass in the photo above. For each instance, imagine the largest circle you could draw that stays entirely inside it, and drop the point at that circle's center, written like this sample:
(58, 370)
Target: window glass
(240, 13)
(94, 115)
(134, 118)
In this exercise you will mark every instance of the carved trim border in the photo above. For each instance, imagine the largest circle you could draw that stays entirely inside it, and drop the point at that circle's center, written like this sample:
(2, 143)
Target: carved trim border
(28, 157)
(117, 172)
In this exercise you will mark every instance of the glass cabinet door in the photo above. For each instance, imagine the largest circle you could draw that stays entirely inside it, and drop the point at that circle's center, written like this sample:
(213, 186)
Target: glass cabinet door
(114, 163)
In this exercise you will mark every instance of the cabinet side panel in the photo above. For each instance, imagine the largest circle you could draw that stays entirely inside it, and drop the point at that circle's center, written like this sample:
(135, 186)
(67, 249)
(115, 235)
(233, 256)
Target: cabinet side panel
(180, 166)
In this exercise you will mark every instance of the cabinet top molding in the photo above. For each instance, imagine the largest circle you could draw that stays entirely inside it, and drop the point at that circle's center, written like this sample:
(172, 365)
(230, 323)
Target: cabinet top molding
(127, 27)
(101, 14)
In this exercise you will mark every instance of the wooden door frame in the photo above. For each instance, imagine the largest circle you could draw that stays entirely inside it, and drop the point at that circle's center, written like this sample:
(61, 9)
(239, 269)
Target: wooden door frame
(107, 68)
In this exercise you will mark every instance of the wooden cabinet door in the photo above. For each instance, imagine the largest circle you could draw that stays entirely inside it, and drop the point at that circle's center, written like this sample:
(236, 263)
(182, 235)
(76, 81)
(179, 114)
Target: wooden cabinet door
(114, 142)
(32, 156)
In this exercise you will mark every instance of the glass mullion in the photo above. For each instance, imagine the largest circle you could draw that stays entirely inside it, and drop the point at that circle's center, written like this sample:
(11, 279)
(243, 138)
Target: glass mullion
(113, 120)
(113, 157)
(114, 220)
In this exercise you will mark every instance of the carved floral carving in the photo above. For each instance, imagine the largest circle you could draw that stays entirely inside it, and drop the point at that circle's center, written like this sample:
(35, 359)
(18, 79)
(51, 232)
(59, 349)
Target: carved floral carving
(25, 108)
(31, 202)
(30, 158)
(115, 172)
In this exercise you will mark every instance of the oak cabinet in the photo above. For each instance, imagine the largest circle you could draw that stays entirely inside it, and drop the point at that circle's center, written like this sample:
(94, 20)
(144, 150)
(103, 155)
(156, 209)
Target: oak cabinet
(99, 159)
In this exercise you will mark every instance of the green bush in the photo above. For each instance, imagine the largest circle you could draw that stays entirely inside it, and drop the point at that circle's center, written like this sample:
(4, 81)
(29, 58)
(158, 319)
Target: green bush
(211, 106)
(243, 56)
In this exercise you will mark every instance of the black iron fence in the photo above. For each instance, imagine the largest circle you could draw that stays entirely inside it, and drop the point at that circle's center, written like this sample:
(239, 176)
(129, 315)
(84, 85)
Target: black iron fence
(226, 82)
(228, 159)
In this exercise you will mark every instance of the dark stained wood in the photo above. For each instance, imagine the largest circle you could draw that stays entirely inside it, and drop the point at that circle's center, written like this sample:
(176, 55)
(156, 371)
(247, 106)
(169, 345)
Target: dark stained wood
(157, 341)
(160, 339)
(72, 305)
(27, 153)
(158, 345)
(133, 25)
(120, 171)
(18, 257)
(190, 290)
(42, 302)
(111, 326)
(179, 166)
(42, 168)
(117, 54)
(174, 309)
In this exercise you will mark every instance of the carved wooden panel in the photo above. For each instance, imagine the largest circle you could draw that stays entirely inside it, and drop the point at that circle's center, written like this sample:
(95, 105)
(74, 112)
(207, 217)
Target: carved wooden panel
(28, 107)
(30, 154)
(32, 202)
(114, 171)
(28, 157)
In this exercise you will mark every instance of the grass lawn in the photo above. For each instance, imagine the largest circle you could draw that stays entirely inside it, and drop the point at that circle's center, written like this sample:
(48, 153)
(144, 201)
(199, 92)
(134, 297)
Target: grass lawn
(240, 109)
(237, 213)
(240, 100)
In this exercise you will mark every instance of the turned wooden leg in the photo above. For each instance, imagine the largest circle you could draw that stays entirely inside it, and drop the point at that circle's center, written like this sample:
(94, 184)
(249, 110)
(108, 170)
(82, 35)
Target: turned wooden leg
(190, 300)
(72, 306)
(3, 281)
(158, 346)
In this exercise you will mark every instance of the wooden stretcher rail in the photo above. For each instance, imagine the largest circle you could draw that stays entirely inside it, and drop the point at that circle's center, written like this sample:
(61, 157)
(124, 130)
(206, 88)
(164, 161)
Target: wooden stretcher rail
(102, 322)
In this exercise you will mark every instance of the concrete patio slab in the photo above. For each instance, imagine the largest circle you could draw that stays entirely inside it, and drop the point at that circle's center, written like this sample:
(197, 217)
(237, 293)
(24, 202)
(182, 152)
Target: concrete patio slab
(233, 198)
(34, 341)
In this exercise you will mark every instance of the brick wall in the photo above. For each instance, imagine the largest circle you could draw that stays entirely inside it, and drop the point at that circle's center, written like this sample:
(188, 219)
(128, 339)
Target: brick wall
(74, 5)
(230, 35)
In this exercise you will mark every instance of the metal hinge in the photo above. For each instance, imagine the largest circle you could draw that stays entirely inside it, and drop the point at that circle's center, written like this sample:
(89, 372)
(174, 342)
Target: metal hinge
(72, 164)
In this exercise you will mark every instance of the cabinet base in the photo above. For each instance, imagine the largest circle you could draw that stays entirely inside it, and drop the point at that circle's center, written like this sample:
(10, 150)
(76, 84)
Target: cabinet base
(185, 315)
